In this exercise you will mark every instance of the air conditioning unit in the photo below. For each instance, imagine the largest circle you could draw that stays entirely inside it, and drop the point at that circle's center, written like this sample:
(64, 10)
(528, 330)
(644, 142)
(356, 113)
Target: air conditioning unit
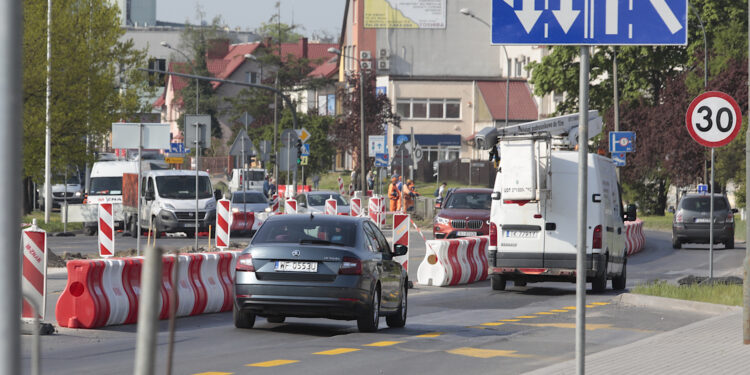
(383, 64)
(383, 53)
(364, 55)
(365, 65)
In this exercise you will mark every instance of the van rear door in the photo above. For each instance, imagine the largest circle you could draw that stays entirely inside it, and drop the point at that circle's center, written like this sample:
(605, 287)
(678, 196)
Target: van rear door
(561, 212)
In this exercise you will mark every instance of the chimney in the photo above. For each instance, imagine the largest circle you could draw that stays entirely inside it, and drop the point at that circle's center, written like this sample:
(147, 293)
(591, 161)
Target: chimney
(303, 47)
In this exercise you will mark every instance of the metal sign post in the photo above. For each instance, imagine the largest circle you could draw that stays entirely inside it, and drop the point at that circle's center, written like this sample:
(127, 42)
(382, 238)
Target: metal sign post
(201, 138)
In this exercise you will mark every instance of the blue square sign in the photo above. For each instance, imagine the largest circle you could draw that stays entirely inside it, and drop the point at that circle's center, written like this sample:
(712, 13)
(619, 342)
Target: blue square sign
(702, 188)
(381, 160)
(619, 159)
(621, 142)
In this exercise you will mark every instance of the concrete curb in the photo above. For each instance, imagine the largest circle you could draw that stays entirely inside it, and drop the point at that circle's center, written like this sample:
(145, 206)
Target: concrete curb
(662, 303)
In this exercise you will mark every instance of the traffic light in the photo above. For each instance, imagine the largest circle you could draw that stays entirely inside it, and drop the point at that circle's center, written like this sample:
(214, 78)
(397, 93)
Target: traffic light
(273, 158)
(299, 151)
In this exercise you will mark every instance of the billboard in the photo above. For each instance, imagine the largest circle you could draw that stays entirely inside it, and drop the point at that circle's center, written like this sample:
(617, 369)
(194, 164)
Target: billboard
(405, 14)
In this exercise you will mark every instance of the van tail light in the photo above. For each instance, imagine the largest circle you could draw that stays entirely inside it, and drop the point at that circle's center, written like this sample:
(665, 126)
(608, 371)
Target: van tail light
(730, 217)
(245, 263)
(678, 217)
(516, 201)
(596, 242)
(350, 266)
(493, 234)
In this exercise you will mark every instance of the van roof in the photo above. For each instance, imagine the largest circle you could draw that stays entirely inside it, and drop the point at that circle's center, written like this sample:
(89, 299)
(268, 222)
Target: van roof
(175, 172)
(113, 168)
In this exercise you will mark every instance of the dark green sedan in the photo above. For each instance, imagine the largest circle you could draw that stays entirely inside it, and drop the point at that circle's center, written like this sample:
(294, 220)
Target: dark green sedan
(320, 266)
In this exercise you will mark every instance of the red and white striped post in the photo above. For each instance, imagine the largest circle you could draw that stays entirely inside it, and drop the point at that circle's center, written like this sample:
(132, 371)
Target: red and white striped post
(381, 211)
(401, 237)
(106, 230)
(34, 270)
(341, 186)
(331, 206)
(290, 206)
(355, 207)
(351, 190)
(275, 206)
(222, 223)
(372, 209)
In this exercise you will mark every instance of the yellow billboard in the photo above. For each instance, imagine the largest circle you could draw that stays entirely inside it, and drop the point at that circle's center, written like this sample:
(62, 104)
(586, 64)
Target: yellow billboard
(405, 14)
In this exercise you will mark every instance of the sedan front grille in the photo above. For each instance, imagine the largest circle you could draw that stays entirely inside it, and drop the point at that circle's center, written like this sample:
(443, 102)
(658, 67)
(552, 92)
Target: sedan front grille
(475, 224)
(458, 224)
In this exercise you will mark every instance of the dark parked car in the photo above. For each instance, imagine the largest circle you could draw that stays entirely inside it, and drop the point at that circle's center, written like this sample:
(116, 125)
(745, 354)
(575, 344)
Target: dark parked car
(463, 213)
(320, 266)
(692, 219)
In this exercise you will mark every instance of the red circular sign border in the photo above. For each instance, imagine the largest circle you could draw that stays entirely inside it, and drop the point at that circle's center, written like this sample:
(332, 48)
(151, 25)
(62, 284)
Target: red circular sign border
(712, 94)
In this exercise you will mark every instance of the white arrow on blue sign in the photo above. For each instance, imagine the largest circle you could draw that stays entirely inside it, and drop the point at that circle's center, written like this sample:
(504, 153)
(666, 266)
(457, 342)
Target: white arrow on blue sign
(621, 142)
(589, 22)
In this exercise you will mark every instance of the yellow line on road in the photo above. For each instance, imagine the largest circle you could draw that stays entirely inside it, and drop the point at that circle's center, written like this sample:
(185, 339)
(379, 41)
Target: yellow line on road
(429, 335)
(384, 343)
(527, 317)
(214, 373)
(589, 327)
(487, 353)
(600, 303)
(569, 308)
(509, 320)
(337, 351)
(559, 311)
(545, 313)
(274, 363)
(492, 324)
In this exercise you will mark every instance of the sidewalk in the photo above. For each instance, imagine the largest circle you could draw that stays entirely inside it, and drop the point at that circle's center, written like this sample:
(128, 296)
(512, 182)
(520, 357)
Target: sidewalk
(710, 346)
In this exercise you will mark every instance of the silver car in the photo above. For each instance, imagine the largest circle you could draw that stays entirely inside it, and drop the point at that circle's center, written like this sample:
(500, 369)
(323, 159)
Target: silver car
(315, 201)
(692, 220)
(320, 266)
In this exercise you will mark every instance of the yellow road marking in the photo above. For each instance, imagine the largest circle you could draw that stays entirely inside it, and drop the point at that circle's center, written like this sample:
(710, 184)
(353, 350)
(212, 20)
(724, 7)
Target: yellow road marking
(600, 303)
(569, 308)
(527, 317)
(559, 311)
(275, 362)
(214, 373)
(589, 327)
(545, 313)
(487, 353)
(492, 324)
(384, 343)
(433, 334)
(510, 320)
(337, 351)
(590, 306)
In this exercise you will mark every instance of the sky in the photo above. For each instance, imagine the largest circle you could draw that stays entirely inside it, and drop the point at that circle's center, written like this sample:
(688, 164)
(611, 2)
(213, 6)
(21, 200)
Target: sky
(313, 15)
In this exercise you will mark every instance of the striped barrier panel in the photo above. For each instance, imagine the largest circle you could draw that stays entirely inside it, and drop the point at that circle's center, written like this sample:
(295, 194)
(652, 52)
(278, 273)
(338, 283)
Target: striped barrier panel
(355, 207)
(454, 261)
(341, 186)
(245, 222)
(106, 292)
(331, 207)
(34, 270)
(401, 237)
(222, 223)
(290, 206)
(106, 230)
(275, 204)
(635, 239)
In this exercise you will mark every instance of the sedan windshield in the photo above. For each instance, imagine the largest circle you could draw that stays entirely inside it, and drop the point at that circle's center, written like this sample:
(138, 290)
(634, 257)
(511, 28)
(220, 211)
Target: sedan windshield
(305, 231)
(474, 201)
(253, 197)
(183, 187)
(320, 199)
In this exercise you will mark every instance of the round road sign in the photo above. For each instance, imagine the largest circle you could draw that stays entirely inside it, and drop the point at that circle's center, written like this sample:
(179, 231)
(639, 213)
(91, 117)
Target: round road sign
(713, 119)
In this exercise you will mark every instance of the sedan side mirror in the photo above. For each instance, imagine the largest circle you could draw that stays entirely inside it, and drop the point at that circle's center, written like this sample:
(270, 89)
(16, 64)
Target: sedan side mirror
(399, 249)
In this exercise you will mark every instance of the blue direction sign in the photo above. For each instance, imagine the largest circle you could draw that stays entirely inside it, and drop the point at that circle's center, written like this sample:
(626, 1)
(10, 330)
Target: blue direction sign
(305, 149)
(177, 148)
(589, 22)
(381, 160)
(621, 141)
(702, 188)
(619, 159)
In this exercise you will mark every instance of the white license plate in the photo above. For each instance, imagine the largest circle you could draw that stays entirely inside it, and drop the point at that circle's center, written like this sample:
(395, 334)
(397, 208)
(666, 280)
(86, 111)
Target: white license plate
(702, 220)
(287, 266)
(466, 234)
(189, 225)
(520, 234)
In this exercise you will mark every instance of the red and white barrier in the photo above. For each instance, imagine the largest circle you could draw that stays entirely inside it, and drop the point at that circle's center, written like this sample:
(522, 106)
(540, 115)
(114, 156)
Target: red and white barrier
(373, 207)
(382, 211)
(106, 230)
(245, 222)
(222, 223)
(454, 261)
(635, 240)
(34, 270)
(106, 292)
(290, 206)
(275, 204)
(341, 186)
(401, 237)
(351, 190)
(331, 206)
(355, 207)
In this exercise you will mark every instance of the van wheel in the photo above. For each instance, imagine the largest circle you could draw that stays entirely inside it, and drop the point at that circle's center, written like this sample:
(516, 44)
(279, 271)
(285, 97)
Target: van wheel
(497, 282)
(729, 244)
(133, 226)
(676, 244)
(599, 284)
(90, 231)
(618, 282)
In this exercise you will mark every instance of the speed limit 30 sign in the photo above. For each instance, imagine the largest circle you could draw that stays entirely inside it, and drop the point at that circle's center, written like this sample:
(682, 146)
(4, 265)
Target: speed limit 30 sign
(713, 119)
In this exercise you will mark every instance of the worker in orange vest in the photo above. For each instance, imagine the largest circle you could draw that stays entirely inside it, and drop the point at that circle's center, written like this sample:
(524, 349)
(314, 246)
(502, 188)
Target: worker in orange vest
(393, 194)
(408, 193)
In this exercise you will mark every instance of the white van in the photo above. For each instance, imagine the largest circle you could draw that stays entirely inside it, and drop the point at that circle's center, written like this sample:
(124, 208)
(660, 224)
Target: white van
(105, 186)
(252, 178)
(533, 219)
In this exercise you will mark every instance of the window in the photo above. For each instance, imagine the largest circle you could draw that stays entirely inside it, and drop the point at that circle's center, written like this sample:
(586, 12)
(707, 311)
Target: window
(253, 77)
(433, 109)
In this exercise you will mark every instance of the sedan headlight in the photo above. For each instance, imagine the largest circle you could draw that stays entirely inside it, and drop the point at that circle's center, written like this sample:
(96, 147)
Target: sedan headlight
(235, 209)
(210, 205)
(166, 206)
(441, 220)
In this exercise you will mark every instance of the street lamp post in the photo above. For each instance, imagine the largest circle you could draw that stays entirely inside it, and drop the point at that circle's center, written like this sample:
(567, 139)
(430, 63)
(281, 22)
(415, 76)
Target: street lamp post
(468, 12)
(362, 172)
(192, 68)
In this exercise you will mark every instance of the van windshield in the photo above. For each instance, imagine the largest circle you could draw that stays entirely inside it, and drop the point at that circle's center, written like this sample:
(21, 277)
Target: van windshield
(183, 187)
(106, 186)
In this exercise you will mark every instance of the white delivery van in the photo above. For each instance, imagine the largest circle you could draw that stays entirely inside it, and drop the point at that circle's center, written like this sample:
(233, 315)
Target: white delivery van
(105, 186)
(534, 215)
(168, 202)
(252, 179)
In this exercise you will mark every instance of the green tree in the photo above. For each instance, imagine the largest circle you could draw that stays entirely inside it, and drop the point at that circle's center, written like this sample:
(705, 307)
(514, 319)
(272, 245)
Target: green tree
(93, 82)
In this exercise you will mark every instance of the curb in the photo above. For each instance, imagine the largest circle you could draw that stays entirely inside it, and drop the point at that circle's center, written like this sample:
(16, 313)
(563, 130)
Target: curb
(663, 303)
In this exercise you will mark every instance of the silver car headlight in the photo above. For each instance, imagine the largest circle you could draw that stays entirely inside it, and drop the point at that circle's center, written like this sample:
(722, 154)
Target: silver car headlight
(441, 220)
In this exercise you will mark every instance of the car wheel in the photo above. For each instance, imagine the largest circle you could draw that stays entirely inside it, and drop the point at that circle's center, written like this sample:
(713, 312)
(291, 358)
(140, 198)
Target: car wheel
(242, 319)
(276, 319)
(133, 227)
(676, 244)
(618, 282)
(519, 283)
(398, 319)
(729, 244)
(497, 282)
(368, 322)
(90, 231)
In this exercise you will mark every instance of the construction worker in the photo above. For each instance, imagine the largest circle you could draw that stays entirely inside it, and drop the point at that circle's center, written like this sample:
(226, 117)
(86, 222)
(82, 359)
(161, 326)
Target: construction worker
(393, 194)
(408, 194)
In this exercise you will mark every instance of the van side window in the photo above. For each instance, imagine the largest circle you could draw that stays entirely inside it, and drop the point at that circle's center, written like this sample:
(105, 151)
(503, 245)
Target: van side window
(150, 186)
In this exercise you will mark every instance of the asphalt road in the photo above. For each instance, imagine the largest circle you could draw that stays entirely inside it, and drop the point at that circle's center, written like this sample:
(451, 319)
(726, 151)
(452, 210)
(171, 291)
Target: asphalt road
(465, 329)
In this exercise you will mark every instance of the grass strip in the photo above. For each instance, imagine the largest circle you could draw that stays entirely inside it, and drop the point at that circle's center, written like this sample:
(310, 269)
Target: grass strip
(722, 294)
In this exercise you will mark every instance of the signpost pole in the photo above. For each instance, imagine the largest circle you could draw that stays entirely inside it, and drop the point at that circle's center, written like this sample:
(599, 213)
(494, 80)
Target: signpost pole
(711, 222)
(197, 168)
(138, 194)
(746, 283)
(582, 210)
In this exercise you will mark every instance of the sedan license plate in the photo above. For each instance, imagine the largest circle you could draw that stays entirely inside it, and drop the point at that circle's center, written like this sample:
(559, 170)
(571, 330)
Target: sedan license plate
(702, 220)
(520, 234)
(466, 234)
(288, 266)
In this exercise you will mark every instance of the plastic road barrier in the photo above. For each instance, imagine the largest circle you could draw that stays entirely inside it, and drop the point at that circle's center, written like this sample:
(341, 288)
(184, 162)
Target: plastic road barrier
(106, 230)
(106, 292)
(635, 239)
(244, 222)
(331, 206)
(275, 204)
(341, 186)
(351, 190)
(222, 223)
(290, 206)
(373, 207)
(401, 237)
(381, 212)
(34, 270)
(454, 261)
(355, 207)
